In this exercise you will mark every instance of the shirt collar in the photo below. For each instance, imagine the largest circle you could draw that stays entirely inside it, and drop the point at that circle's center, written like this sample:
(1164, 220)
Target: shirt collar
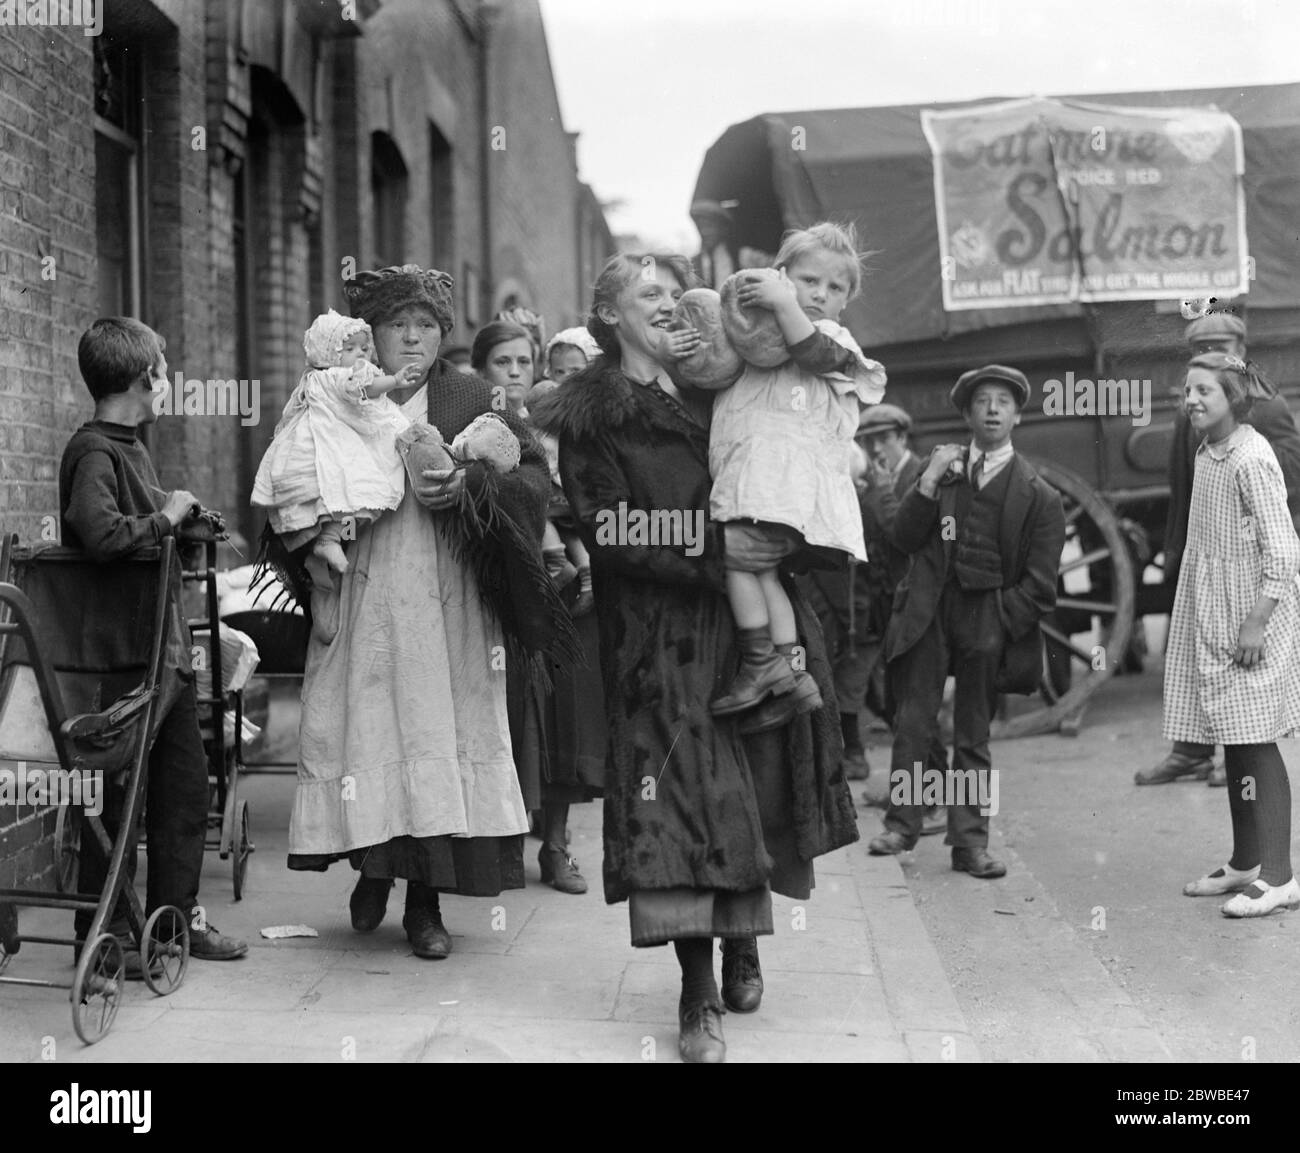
(992, 459)
(1221, 450)
(902, 462)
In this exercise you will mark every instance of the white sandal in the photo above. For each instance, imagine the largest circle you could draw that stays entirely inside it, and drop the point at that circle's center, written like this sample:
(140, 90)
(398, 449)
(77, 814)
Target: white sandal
(1224, 879)
(1261, 898)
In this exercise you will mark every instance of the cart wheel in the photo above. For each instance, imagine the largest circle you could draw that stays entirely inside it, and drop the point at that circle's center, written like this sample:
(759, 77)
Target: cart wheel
(67, 847)
(241, 849)
(165, 950)
(1095, 589)
(97, 987)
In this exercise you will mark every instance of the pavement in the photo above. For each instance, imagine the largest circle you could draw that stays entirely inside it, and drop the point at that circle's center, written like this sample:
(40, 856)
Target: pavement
(535, 976)
(1086, 951)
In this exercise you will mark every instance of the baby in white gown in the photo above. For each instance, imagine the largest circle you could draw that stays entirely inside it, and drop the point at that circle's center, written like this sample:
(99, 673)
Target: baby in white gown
(334, 461)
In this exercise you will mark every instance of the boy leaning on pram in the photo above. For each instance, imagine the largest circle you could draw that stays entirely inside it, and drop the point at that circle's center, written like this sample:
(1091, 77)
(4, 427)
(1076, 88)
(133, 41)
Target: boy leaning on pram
(112, 505)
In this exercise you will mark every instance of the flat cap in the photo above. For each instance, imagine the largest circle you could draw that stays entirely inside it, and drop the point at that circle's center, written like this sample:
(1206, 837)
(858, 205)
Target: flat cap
(883, 418)
(1013, 378)
(1215, 324)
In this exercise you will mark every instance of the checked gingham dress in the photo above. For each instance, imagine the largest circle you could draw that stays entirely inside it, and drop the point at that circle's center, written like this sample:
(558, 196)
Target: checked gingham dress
(1240, 542)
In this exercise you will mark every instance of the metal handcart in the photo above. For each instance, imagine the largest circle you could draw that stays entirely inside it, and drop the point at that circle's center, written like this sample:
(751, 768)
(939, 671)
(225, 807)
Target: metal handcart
(74, 634)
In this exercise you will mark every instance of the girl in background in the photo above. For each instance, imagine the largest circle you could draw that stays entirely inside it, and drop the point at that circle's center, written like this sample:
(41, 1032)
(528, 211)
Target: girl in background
(1232, 668)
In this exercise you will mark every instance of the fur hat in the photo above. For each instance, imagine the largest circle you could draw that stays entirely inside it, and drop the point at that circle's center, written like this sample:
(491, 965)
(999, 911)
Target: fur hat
(376, 296)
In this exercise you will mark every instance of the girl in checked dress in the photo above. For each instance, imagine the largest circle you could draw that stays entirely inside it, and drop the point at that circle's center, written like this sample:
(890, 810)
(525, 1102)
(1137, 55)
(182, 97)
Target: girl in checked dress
(1232, 671)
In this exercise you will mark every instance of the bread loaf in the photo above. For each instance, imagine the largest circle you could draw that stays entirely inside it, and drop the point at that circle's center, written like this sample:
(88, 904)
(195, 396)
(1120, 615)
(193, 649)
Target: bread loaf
(421, 446)
(715, 364)
(753, 332)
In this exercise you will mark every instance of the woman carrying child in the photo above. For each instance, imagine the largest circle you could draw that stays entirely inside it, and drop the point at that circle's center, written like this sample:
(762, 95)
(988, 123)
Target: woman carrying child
(1232, 668)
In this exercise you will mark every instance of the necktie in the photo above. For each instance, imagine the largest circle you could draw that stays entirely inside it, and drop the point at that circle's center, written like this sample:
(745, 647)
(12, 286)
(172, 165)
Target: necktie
(976, 472)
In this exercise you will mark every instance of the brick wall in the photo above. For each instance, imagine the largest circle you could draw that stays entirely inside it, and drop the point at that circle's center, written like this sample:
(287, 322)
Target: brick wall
(415, 64)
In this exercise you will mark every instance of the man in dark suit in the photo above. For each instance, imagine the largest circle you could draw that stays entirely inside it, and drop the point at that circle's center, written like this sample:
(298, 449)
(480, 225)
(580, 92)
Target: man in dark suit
(1215, 332)
(893, 468)
(985, 533)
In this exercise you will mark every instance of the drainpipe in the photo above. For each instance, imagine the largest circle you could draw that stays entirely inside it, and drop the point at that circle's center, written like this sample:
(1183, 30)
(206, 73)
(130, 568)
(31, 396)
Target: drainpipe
(487, 14)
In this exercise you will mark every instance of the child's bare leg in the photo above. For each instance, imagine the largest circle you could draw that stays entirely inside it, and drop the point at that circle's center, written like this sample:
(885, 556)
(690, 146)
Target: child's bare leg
(329, 546)
(780, 612)
(748, 604)
(577, 550)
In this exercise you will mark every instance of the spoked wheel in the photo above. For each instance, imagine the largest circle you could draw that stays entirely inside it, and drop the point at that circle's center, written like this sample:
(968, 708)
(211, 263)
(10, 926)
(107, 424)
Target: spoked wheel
(241, 848)
(67, 847)
(97, 987)
(1094, 594)
(165, 950)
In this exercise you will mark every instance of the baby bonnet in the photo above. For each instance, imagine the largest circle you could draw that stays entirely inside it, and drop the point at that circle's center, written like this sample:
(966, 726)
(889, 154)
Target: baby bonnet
(325, 338)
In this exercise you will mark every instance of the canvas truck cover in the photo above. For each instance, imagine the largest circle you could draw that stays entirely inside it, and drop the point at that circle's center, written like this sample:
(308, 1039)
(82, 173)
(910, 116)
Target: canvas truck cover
(1082, 199)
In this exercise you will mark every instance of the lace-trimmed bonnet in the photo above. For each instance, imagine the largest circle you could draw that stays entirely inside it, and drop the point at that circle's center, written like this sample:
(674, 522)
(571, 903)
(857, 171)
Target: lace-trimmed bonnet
(324, 340)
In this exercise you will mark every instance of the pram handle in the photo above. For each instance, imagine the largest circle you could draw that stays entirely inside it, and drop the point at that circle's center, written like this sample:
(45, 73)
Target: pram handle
(93, 724)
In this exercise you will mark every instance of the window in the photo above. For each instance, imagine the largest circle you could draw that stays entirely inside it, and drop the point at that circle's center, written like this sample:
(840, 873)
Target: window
(441, 205)
(119, 178)
(388, 186)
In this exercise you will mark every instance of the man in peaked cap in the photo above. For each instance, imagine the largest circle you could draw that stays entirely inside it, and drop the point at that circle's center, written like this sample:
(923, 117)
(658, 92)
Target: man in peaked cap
(985, 533)
(884, 434)
(1215, 332)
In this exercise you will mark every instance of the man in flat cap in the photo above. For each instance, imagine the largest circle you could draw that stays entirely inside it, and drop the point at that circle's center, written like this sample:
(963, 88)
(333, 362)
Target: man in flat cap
(884, 434)
(1271, 417)
(985, 534)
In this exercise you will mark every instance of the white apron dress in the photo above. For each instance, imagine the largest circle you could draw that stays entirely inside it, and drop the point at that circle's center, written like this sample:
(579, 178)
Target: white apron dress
(404, 726)
(1240, 542)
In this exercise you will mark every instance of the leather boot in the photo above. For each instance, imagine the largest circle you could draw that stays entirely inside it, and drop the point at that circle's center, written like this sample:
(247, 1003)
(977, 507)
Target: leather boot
(423, 923)
(699, 1038)
(742, 979)
(369, 902)
(763, 671)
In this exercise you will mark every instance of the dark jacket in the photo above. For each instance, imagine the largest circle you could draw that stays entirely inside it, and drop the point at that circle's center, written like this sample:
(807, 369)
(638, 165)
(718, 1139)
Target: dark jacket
(879, 513)
(680, 802)
(1273, 421)
(1030, 538)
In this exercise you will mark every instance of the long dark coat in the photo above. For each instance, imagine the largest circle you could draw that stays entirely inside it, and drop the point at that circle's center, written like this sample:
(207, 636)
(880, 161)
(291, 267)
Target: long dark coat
(680, 803)
(1031, 535)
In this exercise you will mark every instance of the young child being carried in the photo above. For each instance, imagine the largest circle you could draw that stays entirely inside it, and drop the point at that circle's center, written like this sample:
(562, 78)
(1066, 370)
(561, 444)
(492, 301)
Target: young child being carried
(781, 442)
(334, 460)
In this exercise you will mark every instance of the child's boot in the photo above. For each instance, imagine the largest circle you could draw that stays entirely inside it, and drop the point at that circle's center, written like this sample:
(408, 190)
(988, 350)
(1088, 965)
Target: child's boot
(329, 547)
(763, 671)
(807, 695)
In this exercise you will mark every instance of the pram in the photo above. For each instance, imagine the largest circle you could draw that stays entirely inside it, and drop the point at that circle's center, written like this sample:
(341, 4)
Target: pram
(75, 634)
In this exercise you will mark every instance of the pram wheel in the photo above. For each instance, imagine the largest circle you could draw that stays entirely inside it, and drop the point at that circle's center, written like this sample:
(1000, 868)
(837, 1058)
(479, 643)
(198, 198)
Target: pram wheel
(165, 950)
(67, 847)
(97, 987)
(241, 849)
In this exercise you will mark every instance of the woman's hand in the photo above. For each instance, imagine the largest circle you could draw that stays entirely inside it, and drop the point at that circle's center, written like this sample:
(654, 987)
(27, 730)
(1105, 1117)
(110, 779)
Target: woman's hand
(679, 344)
(751, 549)
(770, 292)
(1250, 643)
(439, 488)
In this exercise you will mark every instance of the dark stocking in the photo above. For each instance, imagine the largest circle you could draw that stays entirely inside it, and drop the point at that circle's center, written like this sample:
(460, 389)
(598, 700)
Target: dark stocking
(420, 896)
(695, 955)
(555, 826)
(1260, 797)
(849, 727)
